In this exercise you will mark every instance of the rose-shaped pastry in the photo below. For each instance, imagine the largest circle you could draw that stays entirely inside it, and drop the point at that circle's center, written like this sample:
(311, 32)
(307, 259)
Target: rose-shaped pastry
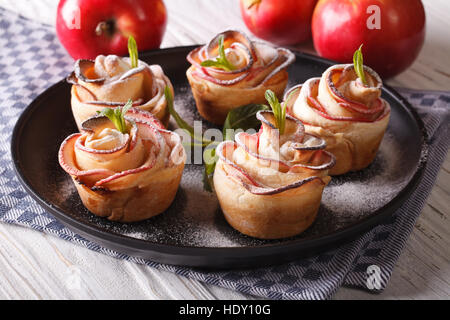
(349, 115)
(269, 185)
(110, 81)
(124, 176)
(231, 71)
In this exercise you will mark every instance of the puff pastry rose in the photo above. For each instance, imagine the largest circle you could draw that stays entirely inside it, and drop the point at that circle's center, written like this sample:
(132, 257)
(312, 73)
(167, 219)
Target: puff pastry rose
(110, 81)
(128, 176)
(269, 185)
(349, 115)
(250, 69)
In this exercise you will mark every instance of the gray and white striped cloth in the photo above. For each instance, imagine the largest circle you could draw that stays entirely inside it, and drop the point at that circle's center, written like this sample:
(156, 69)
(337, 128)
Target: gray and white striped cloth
(31, 60)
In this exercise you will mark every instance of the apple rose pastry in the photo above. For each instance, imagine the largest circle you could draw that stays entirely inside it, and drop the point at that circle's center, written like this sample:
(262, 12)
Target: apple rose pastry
(231, 71)
(345, 109)
(110, 81)
(127, 168)
(270, 185)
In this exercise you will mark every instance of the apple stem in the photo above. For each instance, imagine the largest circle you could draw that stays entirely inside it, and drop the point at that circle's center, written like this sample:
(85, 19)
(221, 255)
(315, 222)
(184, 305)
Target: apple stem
(105, 27)
(251, 3)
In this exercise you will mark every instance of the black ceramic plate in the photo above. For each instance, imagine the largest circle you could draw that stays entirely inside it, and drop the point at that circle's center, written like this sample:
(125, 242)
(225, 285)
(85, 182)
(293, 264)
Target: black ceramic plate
(193, 231)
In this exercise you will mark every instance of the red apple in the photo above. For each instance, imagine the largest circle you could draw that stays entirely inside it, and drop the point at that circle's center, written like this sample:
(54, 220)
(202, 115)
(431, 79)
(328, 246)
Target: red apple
(282, 22)
(87, 28)
(392, 32)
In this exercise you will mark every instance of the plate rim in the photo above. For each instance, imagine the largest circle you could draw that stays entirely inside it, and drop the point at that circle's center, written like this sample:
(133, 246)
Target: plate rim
(304, 244)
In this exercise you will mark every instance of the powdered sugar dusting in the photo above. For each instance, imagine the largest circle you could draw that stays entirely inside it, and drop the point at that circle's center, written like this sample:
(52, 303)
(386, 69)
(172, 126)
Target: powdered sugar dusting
(353, 196)
(185, 106)
(195, 219)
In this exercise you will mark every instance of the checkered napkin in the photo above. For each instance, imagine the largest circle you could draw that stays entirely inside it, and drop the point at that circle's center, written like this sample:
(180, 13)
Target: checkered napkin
(31, 59)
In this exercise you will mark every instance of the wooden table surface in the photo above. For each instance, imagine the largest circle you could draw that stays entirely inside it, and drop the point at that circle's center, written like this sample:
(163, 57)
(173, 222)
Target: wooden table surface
(34, 265)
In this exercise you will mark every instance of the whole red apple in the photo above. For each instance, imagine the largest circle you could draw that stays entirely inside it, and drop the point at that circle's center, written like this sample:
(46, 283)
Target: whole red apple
(392, 32)
(282, 22)
(87, 28)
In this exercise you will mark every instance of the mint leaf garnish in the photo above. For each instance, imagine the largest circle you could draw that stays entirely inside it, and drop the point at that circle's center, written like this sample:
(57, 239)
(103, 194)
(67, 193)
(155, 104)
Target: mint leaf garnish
(221, 62)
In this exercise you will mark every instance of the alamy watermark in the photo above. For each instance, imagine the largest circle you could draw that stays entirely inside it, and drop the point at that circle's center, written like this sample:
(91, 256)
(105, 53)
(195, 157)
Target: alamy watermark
(195, 150)
(72, 17)
(374, 20)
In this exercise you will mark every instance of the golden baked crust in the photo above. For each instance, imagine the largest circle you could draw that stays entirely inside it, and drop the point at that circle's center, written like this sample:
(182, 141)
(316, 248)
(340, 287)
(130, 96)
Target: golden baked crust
(274, 216)
(110, 81)
(124, 177)
(350, 117)
(135, 203)
(270, 186)
(215, 101)
(259, 68)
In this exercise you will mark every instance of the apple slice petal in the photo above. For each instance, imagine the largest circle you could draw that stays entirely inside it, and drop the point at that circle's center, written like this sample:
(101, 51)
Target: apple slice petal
(137, 176)
(205, 75)
(154, 138)
(270, 191)
(159, 142)
(92, 124)
(263, 61)
(311, 159)
(233, 36)
(144, 116)
(95, 125)
(343, 74)
(66, 158)
(310, 142)
(315, 104)
(127, 178)
(307, 151)
(81, 92)
(289, 58)
(144, 84)
(225, 152)
(267, 54)
(85, 70)
(111, 104)
(309, 91)
(248, 143)
(293, 126)
(239, 42)
(132, 72)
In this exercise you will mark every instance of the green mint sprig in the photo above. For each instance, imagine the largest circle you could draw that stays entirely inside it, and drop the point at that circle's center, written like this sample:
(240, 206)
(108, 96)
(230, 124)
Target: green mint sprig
(210, 160)
(117, 116)
(358, 65)
(221, 61)
(279, 111)
(133, 51)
